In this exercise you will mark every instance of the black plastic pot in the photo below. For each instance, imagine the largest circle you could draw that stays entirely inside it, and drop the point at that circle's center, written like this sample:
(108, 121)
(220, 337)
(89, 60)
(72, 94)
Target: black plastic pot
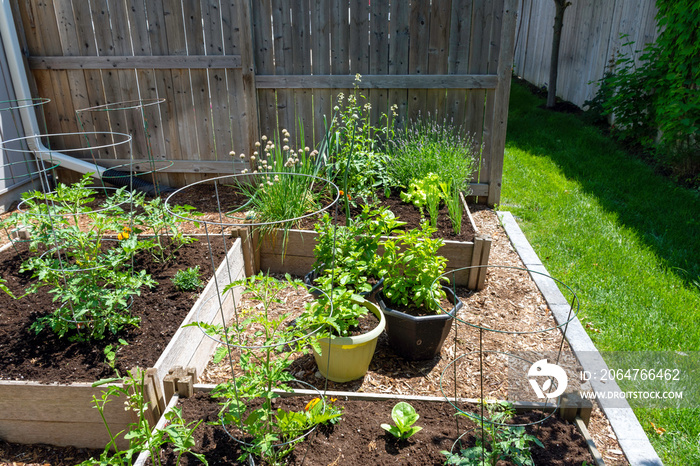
(310, 279)
(418, 338)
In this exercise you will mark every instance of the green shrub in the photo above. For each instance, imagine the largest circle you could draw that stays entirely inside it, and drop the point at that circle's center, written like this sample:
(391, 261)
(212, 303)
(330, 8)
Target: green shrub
(657, 103)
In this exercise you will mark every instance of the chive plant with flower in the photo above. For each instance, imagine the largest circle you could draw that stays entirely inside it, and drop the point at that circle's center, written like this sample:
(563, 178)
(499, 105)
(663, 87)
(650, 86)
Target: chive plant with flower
(283, 182)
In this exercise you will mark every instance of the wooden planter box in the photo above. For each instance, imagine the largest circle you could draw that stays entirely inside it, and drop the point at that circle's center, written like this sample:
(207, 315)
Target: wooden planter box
(64, 414)
(269, 255)
(570, 410)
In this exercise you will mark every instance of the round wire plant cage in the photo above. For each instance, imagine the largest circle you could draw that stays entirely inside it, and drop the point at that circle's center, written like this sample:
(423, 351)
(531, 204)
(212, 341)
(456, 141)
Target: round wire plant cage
(515, 361)
(134, 115)
(230, 207)
(308, 432)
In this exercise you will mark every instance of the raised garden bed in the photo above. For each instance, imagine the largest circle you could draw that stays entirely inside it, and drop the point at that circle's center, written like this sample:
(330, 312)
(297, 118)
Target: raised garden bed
(271, 254)
(359, 439)
(47, 397)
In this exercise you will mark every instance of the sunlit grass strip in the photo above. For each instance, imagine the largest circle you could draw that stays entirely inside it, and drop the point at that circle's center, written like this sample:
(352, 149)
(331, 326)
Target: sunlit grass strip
(624, 238)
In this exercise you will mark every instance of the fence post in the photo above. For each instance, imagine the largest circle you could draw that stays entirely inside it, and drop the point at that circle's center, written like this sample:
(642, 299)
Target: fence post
(500, 117)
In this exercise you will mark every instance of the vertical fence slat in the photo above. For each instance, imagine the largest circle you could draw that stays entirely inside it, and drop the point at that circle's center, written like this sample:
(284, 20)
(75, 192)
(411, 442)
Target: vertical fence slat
(303, 112)
(282, 24)
(265, 60)
(165, 87)
(128, 80)
(438, 53)
(238, 120)
(502, 96)
(418, 54)
(109, 78)
(379, 56)
(320, 47)
(199, 80)
(148, 87)
(398, 55)
(458, 58)
(177, 45)
(45, 36)
(219, 101)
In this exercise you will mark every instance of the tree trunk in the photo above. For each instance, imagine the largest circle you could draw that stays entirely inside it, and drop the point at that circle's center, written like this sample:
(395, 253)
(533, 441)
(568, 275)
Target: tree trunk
(554, 61)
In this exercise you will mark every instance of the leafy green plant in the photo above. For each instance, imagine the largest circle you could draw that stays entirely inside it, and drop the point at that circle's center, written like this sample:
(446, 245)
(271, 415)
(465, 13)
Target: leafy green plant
(140, 435)
(91, 283)
(164, 224)
(411, 266)
(503, 442)
(404, 416)
(264, 361)
(654, 99)
(357, 161)
(346, 308)
(427, 146)
(110, 352)
(347, 255)
(425, 192)
(3, 287)
(188, 279)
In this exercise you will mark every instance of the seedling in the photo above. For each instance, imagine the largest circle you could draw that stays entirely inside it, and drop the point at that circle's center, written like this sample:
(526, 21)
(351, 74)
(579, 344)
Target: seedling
(188, 279)
(111, 354)
(404, 416)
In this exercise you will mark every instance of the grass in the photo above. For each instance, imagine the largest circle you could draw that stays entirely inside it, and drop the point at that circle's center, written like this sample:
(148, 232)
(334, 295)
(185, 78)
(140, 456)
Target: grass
(625, 239)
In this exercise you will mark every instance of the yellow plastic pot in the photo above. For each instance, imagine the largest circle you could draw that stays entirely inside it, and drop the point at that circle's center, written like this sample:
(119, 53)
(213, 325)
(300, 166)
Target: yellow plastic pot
(343, 359)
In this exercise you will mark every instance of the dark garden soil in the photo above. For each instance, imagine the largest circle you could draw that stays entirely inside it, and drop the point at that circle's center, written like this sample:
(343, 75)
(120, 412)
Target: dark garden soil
(46, 358)
(204, 198)
(358, 438)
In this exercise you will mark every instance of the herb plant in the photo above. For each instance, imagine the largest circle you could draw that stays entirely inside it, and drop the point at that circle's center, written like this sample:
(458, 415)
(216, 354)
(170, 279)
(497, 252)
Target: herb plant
(428, 146)
(357, 160)
(282, 184)
(411, 266)
(404, 416)
(188, 279)
(347, 255)
(338, 320)
(504, 442)
(140, 435)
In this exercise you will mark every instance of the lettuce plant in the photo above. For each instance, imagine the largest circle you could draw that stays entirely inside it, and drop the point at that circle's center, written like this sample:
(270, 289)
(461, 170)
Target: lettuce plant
(404, 416)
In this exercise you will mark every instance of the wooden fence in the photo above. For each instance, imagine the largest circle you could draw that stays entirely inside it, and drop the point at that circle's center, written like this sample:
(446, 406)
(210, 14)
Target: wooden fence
(591, 40)
(228, 72)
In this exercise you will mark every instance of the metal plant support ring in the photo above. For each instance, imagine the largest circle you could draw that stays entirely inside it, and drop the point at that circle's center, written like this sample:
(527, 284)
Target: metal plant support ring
(277, 445)
(220, 180)
(481, 328)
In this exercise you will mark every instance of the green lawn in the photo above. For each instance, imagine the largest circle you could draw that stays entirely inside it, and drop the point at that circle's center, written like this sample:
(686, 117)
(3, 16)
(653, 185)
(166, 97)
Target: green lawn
(626, 240)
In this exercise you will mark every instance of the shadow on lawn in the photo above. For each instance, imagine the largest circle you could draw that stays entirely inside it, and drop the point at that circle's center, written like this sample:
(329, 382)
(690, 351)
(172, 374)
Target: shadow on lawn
(665, 216)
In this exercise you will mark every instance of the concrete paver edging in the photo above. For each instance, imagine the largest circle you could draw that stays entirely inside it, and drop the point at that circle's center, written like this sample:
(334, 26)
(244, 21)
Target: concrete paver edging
(630, 435)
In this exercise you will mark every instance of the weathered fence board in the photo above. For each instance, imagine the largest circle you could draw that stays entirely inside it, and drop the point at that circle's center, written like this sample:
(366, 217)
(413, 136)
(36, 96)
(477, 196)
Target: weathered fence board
(230, 71)
(591, 40)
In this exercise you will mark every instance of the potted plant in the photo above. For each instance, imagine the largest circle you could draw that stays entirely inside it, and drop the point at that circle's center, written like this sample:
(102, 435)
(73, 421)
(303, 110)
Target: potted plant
(418, 309)
(342, 351)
